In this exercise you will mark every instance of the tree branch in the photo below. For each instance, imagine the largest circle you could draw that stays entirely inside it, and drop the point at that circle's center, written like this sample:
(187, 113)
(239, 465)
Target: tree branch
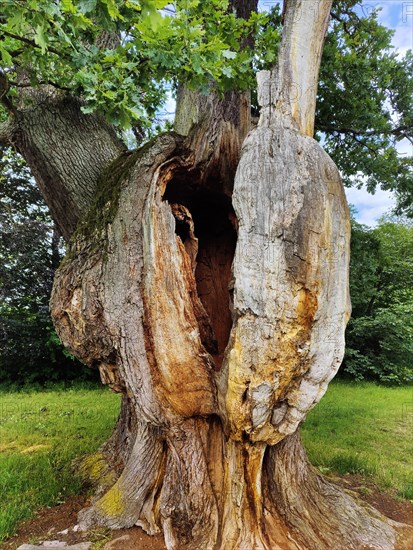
(4, 84)
(399, 131)
(294, 79)
(366, 145)
(5, 133)
(343, 22)
(4, 88)
(40, 83)
(30, 42)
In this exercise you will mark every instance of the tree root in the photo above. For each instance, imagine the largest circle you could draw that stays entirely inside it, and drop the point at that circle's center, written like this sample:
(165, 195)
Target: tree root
(321, 514)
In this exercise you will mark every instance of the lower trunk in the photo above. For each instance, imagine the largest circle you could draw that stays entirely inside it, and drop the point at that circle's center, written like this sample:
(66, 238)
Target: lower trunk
(204, 491)
(215, 374)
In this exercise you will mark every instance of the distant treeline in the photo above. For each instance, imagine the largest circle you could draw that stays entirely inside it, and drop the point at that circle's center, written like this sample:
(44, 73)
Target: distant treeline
(30, 251)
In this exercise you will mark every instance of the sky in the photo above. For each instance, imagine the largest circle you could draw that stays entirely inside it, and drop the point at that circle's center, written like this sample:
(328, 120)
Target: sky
(397, 15)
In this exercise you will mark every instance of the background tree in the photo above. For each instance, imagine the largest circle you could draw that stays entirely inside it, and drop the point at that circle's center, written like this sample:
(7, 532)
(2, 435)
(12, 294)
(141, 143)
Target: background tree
(30, 252)
(380, 333)
(209, 285)
(364, 102)
(365, 106)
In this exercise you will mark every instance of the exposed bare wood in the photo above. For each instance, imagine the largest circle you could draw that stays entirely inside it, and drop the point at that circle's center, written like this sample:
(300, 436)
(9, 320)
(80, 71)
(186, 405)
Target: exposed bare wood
(292, 85)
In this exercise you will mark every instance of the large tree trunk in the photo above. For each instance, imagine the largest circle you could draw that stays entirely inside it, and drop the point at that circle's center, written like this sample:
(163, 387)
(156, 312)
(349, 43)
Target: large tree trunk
(65, 149)
(210, 287)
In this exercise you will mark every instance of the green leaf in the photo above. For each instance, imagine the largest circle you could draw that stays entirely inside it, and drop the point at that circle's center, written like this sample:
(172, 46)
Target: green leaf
(112, 8)
(87, 6)
(6, 57)
(88, 109)
(40, 37)
(133, 4)
(227, 71)
(67, 6)
(16, 21)
(152, 19)
(135, 111)
(228, 54)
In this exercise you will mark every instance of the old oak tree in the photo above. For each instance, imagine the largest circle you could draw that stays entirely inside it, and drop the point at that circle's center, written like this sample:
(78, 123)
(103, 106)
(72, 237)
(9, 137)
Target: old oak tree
(207, 271)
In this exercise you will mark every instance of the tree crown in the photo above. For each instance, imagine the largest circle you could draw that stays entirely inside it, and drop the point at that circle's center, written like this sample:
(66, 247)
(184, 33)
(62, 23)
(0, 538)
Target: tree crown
(121, 56)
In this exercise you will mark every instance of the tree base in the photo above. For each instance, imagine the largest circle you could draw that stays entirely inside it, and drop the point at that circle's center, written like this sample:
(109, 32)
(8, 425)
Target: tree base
(205, 492)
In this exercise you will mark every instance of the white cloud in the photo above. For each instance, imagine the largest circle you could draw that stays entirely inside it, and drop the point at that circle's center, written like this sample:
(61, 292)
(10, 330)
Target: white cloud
(370, 207)
(168, 109)
(397, 15)
(403, 37)
(405, 148)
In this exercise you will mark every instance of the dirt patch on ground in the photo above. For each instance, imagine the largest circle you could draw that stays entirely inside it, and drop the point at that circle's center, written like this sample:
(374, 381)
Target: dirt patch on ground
(48, 522)
(386, 503)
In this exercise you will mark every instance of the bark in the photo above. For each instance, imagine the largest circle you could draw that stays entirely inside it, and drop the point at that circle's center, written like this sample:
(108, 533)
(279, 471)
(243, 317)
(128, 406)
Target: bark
(55, 248)
(217, 129)
(208, 465)
(313, 500)
(65, 150)
(209, 285)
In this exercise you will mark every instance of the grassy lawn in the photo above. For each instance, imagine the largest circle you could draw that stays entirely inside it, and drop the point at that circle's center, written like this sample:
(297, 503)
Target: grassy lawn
(357, 428)
(40, 434)
(365, 429)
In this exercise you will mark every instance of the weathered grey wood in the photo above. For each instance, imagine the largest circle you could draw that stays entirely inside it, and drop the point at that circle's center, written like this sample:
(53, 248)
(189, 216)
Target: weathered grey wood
(291, 297)
(290, 89)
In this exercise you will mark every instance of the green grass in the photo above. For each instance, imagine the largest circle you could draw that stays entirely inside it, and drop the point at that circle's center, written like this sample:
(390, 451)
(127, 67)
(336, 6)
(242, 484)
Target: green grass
(40, 434)
(358, 428)
(365, 429)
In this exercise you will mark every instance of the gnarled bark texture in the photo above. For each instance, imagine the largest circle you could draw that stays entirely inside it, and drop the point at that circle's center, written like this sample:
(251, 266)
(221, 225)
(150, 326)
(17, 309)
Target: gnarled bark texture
(65, 149)
(209, 285)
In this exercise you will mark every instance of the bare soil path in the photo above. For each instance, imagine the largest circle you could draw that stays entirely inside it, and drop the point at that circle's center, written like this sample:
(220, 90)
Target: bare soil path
(49, 523)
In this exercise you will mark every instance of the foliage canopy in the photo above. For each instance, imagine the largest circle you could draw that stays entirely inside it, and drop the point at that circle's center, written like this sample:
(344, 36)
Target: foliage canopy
(122, 56)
